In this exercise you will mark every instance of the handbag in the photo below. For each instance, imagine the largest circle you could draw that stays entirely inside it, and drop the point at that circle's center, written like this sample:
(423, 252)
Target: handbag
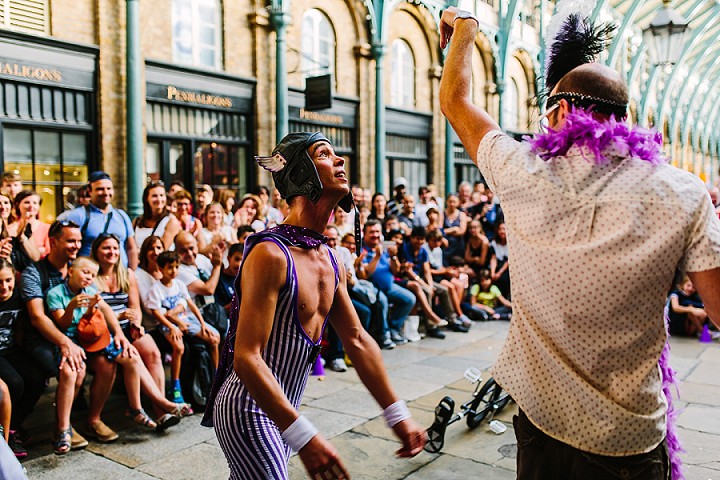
(93, 332)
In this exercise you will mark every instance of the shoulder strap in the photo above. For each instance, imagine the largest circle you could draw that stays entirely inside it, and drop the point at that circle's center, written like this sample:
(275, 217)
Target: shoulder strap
(157, 224)
(87, 220)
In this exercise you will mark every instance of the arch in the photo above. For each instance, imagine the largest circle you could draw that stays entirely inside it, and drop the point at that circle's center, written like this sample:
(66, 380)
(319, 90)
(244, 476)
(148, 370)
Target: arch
(520, 70)
(403, 74)
(410, 24)
(318, 46)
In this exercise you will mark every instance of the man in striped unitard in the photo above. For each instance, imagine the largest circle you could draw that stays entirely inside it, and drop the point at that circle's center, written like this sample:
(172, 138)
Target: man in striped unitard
(289, 285)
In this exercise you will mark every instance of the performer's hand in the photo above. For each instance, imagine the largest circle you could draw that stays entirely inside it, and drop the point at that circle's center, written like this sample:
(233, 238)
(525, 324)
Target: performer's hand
(413, 437)
(321, 460)
(447, 19)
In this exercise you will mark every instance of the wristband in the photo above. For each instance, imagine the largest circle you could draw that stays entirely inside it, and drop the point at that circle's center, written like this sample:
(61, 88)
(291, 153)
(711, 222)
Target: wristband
(396, 413)
(462, 14)
(299, 433)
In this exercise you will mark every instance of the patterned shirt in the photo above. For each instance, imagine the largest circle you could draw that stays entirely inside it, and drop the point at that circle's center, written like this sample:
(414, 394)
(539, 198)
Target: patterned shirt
(594, 250)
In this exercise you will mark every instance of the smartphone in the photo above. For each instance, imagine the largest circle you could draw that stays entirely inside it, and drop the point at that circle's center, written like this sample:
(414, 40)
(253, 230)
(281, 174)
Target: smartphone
(388, 243)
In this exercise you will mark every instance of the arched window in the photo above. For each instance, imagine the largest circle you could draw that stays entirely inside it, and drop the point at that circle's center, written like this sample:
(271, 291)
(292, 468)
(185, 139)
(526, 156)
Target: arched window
(197, 31)
(402, 79)
(511, 107)
(318, 44)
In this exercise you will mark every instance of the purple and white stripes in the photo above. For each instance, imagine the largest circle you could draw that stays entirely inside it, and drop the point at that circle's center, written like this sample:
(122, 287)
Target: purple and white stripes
(250, 440)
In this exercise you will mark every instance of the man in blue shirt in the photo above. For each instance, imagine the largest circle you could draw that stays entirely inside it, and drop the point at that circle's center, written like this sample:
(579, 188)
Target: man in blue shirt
(101, 217)
(379, 266)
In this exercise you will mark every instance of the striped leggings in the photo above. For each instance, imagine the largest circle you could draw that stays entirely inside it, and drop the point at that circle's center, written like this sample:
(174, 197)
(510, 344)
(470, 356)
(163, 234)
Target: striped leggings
(250, 441)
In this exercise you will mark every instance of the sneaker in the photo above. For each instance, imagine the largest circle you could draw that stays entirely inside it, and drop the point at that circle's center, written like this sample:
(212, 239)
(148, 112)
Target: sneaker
(435, 333)
(465, 320)
(177, 396)
(458, 327)
(398, 337)
(386, 343)
(338, 365)
(16, 445)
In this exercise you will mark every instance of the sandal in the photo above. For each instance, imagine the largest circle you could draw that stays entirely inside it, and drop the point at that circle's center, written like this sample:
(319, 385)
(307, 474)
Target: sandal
(63, 440)
(166, 421)
(436, 433)
(141, 418)
(182, 410)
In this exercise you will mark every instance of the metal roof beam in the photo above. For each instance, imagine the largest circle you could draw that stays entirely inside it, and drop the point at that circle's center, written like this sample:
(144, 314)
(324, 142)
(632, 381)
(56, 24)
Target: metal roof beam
(675, 117)
(687, 48)
(620, 35)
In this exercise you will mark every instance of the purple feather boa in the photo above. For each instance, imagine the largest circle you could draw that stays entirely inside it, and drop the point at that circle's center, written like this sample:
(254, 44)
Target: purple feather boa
(603, 139)
(668, 381)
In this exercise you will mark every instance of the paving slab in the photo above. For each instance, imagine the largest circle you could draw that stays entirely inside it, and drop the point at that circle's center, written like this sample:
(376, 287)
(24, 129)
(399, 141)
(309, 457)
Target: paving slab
(201, 461)
(331, 423)
(706, 372)
(700, 418)
(80, 465)
(131, 449)
(692, 392)
(449, 467)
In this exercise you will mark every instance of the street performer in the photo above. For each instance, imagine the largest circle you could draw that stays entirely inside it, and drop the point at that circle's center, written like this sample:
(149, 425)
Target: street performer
(289, 285)
(598, 223)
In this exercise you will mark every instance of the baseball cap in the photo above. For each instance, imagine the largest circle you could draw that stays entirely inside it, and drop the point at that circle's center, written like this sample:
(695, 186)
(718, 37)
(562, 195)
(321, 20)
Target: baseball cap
(93, 335)
(400, 181)
(97, 176)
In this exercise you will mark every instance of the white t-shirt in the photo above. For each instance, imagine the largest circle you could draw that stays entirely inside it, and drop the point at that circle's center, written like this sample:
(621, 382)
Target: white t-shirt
(164, 298)
(202, 270)
(141, 233)
(594, 249)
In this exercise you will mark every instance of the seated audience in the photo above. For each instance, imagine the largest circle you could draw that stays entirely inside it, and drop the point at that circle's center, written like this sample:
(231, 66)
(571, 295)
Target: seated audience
(486, 301)
(687, 312)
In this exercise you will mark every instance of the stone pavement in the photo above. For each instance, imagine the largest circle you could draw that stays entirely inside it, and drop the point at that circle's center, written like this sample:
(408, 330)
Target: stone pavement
(422, 373)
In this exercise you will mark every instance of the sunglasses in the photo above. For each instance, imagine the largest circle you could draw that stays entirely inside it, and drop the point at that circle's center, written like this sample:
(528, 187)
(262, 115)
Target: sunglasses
(156, 183)
(58, 225)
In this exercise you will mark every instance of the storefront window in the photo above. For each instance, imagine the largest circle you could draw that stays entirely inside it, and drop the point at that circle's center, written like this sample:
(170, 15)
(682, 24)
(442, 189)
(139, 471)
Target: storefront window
(465, 169)
(50, 162)
(402, 80)
(197, 32)
(408, 157)
(318, 44)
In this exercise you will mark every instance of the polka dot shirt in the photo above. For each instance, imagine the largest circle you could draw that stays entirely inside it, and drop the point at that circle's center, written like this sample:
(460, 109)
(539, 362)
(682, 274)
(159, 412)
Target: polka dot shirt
(593, 251)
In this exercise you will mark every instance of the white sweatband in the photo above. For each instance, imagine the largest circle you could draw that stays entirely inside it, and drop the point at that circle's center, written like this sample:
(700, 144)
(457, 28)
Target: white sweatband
(396, 413)
(299, 433)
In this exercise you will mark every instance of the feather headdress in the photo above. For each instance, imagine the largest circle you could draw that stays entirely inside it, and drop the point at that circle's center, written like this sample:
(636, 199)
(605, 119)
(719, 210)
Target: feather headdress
(573, 40)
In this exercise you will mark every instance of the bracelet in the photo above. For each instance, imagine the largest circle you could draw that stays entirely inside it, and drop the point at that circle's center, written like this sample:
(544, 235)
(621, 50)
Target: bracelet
(396, 413)
(299, 433)
(463, 15)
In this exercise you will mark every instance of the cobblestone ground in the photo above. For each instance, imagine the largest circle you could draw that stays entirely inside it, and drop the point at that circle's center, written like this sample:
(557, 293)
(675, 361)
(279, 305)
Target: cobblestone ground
(423, 373)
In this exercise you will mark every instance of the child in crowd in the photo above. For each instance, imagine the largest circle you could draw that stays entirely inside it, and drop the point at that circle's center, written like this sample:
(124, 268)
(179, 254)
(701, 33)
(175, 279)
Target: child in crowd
(68, 303)
(226, 284)
(487, 303)
(19, 372)
(171, 306)
(244, 231)
(687, 312)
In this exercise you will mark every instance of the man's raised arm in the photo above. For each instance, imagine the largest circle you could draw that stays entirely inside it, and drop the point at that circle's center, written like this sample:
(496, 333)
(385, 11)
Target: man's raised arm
(469, 121)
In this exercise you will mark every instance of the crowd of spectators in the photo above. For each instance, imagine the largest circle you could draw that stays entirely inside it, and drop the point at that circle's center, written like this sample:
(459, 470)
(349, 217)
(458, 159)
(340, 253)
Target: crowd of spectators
(96, 290)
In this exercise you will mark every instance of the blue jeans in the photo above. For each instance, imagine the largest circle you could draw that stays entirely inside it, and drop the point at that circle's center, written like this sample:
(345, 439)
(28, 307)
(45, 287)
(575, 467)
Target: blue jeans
(403, 301)
(335, 348)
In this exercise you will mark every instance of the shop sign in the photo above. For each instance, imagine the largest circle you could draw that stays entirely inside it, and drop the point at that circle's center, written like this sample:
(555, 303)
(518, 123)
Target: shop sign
(28, 71)
(173, 93)
(320, 117)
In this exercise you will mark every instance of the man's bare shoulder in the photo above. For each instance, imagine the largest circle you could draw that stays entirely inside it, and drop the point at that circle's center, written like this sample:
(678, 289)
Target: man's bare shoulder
(267, 262)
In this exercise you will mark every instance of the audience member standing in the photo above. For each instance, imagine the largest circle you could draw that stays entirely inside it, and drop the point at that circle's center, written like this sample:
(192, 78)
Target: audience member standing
(101, 217)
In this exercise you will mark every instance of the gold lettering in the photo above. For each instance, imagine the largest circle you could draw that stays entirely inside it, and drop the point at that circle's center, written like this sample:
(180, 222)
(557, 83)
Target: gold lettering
(201, 98)
(27, 71)
(321, 117)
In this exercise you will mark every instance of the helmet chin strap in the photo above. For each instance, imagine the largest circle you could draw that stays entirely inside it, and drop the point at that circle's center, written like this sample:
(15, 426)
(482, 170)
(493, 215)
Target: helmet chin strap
(358, 231)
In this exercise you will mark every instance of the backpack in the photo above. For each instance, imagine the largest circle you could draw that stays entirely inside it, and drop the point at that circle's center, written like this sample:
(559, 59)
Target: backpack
(196, 374)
